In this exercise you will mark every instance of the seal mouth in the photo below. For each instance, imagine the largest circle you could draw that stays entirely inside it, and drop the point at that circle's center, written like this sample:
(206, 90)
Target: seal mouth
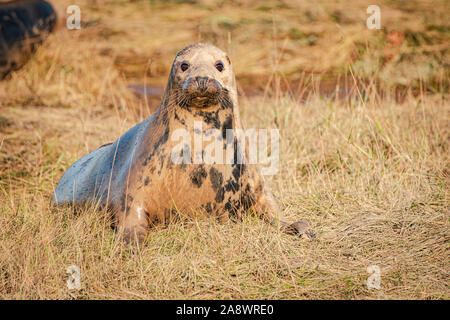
(203, 101)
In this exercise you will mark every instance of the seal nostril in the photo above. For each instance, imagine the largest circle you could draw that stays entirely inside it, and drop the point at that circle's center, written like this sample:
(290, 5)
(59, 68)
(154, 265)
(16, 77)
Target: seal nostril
(202, 82)
(217, 85)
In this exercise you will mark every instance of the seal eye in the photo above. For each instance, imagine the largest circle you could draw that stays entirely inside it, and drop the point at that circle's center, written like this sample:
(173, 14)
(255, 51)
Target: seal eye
(219, 66)
(184, 66)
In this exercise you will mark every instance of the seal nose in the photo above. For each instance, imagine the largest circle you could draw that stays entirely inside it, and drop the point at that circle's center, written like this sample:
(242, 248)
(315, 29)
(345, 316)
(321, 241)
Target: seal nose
(201, 86)
(202, 83)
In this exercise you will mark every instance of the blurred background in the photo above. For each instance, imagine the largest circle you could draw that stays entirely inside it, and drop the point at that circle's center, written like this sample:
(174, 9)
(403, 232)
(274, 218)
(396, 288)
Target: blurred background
(273, 44)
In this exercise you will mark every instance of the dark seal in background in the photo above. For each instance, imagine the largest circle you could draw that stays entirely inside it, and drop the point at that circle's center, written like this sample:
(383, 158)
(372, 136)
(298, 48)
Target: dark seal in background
(24, 25)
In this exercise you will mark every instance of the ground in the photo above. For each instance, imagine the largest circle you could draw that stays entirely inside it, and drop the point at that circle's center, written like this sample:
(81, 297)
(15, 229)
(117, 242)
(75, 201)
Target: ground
(364, 123)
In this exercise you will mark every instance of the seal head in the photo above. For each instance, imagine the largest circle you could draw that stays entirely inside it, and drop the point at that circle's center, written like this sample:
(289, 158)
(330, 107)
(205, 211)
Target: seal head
(201, 76)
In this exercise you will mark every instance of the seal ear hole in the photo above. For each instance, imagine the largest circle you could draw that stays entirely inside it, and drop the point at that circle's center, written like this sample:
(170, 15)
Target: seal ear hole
(184, 66)
(219, 66)
(228, 59)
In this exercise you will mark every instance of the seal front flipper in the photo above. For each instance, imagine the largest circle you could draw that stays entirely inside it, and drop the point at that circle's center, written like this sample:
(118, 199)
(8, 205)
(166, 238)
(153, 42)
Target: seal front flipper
(132, 224)
(268, 210)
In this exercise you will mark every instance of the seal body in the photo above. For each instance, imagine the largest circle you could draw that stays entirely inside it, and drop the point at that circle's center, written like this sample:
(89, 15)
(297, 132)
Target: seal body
(24, 24)
(140, 177)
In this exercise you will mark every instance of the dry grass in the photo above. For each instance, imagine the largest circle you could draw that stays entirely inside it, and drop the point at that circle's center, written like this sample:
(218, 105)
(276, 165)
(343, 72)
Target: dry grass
(371, 174)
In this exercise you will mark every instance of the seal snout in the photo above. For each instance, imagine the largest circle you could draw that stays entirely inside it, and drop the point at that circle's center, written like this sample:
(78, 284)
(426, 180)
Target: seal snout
(202, 88)
(202, 83)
